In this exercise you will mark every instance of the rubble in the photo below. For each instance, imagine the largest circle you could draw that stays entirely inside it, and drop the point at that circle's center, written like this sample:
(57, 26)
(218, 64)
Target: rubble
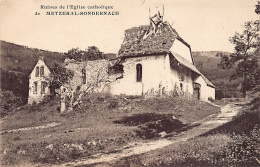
(144, 40)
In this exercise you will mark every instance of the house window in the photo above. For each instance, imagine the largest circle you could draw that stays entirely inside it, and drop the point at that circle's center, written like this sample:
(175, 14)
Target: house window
(138, 73)
(43, 87)
(41, 71)
(35, 87)
(84, 75)
(37, 72)
(182, 78)
(181, 86)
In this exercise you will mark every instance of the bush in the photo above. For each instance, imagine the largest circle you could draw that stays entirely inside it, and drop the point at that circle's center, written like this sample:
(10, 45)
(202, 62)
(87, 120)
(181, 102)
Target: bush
(211, 99)
(8, 102)
(244, 149)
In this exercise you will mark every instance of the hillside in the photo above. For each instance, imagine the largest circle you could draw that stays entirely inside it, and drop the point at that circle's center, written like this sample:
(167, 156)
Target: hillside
(16, 64)
(207, 63)
(22, 58)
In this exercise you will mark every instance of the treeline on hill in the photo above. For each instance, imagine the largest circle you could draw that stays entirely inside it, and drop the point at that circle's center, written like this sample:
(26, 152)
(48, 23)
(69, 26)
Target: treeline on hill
(207, 62)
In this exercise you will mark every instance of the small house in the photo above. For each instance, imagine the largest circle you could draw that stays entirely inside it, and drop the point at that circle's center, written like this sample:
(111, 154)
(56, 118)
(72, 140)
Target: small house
(38, 82)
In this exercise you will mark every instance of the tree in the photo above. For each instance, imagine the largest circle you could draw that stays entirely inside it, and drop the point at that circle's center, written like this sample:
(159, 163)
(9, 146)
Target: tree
(92, 53)
(245, 56)
(58, 77)
(257, 10)
(75, 53)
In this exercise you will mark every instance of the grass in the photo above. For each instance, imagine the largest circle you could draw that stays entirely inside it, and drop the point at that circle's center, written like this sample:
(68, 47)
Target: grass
(87, 130)
(243, 122)
(195, 152)
(235, 143)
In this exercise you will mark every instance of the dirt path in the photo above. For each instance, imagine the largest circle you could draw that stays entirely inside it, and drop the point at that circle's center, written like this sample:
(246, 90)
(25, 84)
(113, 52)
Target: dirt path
(31, 128)
(227, 113)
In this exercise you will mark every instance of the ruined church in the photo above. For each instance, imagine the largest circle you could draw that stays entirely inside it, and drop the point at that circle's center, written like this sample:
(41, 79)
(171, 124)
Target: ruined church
(154, 60)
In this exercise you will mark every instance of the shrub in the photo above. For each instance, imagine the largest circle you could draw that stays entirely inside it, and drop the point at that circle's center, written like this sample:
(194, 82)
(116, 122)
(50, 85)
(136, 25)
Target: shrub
(211, 99)
(8, 102)
(244, 149)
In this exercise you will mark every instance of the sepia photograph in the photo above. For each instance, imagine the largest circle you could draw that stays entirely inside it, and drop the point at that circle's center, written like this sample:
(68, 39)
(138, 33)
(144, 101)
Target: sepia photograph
(130, 83)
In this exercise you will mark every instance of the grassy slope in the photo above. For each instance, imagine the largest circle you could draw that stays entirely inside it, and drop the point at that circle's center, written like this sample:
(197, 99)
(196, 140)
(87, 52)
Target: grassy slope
(196, 152)
(206, 150)
(91, 128)
(242, 123)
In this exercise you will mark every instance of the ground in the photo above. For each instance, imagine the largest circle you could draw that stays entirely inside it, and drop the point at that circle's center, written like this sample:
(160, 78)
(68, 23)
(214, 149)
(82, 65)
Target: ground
(228, 111)
(102, 125)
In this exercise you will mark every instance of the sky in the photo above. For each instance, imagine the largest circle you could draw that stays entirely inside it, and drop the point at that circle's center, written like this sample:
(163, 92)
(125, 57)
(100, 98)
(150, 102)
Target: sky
(205, 24)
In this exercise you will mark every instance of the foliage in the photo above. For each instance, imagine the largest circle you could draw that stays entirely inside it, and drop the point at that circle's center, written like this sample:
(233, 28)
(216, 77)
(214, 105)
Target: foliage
(16, 82)
(59, 76)
(257, 10)
(244, 149)
(9, 101)
(207, 63)
(92, 53)
(75, 53)
(245, 56)
(211, 99)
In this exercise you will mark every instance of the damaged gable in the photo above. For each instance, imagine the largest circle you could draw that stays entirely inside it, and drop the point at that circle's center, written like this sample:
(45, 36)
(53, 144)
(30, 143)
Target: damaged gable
(145, 40)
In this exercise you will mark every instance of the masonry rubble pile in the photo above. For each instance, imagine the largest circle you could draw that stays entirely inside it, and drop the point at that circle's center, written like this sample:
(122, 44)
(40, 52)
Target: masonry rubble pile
(144, 40)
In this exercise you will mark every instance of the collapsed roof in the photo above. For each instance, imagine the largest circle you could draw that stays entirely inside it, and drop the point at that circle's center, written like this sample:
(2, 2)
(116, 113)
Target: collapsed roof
(146, 40)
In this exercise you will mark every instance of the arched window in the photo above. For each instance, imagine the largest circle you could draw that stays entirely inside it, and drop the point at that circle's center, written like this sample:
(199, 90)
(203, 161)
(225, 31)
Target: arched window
(138, 73)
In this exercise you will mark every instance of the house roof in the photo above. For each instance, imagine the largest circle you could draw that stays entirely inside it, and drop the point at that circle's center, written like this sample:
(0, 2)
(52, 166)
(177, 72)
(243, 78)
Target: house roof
(49, 63)
(190, 66)
(145, 40)
(185, 63)
(207, 81)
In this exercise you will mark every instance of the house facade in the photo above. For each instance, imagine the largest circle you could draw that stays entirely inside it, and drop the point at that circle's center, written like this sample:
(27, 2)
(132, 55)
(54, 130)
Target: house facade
(38, 82)
(156, 61)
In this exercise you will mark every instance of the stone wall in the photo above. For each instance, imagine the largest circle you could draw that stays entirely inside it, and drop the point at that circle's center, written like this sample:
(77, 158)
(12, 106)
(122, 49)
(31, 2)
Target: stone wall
(89, 76)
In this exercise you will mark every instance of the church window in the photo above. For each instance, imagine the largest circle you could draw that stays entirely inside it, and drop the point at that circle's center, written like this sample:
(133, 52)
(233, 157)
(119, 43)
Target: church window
(138, 73)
